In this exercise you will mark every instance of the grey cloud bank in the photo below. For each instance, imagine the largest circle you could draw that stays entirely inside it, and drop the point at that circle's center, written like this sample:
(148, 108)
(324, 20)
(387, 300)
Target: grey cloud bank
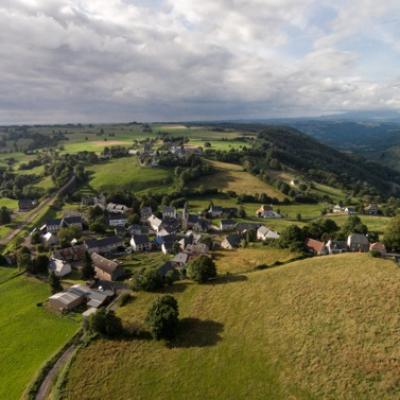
(115, 60)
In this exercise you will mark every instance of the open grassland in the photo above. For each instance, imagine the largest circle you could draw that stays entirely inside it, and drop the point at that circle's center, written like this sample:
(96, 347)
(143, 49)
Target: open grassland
(29, 334)
(247, 259)
(6, 273)
(199, 132)
(215, 144)
(325, 327)
(374, 223)
(126, 173)
(12, 204)
(233, 177)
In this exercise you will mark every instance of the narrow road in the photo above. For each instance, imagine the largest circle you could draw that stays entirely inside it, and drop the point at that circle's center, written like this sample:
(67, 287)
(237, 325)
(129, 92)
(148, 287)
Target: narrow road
(48, 382)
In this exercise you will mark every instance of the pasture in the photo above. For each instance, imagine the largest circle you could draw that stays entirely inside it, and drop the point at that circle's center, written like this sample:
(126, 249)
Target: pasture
(126, 173)
(324, 327)
(247, 259)
(29, 334)
(232, 177)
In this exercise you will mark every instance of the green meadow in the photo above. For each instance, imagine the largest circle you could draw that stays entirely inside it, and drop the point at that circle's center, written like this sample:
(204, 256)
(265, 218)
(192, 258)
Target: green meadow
(29, 334)
(126, 173)
(312, 329)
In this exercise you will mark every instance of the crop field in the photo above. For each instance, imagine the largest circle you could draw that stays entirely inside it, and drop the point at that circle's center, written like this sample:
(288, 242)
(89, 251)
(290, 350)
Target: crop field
(231, 177)
(29, 334)
(126, 173)
(334, 318)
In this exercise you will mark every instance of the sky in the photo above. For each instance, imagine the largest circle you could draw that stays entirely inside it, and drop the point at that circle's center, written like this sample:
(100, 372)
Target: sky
(179, 60)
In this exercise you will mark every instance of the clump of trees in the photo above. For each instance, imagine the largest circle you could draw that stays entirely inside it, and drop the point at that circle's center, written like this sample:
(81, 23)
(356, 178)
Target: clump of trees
(151, 280)
(201, 269)
(65, 235)
(392, 235)
(105, 323)
(292, 238)
(163, 318)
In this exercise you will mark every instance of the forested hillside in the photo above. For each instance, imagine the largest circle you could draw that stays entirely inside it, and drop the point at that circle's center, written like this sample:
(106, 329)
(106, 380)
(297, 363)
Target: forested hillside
(287, 148)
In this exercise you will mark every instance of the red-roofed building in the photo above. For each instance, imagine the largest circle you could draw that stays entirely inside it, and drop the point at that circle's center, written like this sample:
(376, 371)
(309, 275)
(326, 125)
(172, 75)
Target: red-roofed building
(316, 247)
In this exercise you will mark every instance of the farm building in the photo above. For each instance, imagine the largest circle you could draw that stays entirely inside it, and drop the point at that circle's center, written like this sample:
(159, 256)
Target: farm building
(104, 246)
(316, 247)
(266, 211)
(357, 242)
(264, 233)
(117, 219)
(231, 241)
(26, 204)
(140, 243)
(379, 247)
(106, 270)
(227, 225)
(336, 246)
(59, 267)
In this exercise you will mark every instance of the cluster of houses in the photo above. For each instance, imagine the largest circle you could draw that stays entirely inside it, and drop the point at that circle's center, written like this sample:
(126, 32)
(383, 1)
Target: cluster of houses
(371, 209)
(355, 242)
(172, 232)
(149, 157)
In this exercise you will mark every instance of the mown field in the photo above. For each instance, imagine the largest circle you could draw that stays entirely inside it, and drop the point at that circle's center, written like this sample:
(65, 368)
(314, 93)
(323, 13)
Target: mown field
(126, 173)
(29, 334)
(317, 328)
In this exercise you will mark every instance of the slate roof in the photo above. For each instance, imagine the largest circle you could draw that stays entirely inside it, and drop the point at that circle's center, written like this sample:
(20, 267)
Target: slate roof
(108, 241)
(103, 263)
(233, 239)
(140, 239)
(73, 219)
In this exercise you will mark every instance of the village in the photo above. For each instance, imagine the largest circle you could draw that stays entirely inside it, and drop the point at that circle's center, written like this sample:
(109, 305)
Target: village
(178, 234)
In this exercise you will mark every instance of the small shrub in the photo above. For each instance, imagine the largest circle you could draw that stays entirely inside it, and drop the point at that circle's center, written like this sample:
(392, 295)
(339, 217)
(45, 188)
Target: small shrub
(375, 254)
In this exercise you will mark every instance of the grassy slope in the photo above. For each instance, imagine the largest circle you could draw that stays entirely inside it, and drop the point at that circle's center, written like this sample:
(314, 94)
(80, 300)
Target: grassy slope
(125, 173)
(232, 177)
(247, 259)
(323, 328)
(29, 334)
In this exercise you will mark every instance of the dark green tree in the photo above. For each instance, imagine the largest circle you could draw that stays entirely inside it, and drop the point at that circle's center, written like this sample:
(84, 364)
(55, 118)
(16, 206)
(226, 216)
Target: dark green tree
(24, 259)
(202, 269)
(88, 271)
(5, 216)
(163, 317)
(106, 323)
(54, 282)
(149, 280)
(293, 238)
(392, 234)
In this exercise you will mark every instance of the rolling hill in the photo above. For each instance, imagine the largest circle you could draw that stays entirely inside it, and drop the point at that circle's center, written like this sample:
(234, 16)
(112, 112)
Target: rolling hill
(318, 328)
(302, 153)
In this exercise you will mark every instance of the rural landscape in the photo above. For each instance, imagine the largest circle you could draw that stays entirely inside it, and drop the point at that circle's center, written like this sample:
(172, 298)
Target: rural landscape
(245, 231)
(199, 200)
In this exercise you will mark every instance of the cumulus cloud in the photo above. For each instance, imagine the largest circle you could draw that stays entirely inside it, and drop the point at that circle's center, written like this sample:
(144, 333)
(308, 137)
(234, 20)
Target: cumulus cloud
(124, 60)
